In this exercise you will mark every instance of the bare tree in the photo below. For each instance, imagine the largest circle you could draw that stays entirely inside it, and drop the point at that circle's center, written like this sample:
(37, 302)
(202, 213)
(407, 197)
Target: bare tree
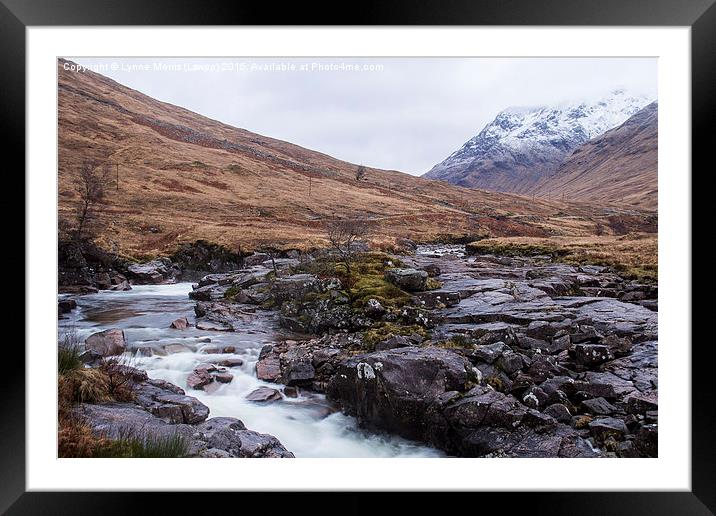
(360, 173)
(90, 185)
(343, 234)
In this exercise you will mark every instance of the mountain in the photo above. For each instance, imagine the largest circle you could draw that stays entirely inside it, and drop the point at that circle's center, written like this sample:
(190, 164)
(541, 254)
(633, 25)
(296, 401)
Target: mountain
(522, 145)
(619, 166)
(179, 177)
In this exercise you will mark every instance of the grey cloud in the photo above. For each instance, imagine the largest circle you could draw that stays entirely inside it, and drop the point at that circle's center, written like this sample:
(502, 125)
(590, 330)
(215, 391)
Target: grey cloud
(407, 117)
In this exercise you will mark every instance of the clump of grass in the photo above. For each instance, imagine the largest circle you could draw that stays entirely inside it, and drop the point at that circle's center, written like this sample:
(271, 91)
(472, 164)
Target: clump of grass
(83, 386)
(132, 445)
(370, 282)
(515, 249)
(457, 341)
(367, 278)
(69, 351)
(386, 330)
(433, 284)
(231, 292)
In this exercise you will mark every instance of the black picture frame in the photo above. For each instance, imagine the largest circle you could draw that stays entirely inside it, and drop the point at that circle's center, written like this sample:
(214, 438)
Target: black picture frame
(700, 15)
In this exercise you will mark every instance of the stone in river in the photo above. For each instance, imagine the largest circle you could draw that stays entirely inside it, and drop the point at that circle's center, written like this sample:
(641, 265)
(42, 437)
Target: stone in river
(264, 394)
(107, 343)
(180, 324)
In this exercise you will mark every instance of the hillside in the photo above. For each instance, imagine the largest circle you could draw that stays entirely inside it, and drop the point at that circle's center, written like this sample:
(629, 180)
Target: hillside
(520, 146)
(618, 167)
(184, 177)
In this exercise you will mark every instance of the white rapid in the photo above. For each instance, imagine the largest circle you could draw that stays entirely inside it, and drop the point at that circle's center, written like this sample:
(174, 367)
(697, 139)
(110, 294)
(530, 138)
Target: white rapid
(306, 425)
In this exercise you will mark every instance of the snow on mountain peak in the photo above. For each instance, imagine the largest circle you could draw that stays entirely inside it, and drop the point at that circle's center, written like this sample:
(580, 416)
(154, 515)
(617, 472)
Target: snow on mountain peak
(544, 129)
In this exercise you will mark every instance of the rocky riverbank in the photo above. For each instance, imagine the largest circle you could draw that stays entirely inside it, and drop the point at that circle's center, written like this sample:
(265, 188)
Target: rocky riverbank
(475, 355)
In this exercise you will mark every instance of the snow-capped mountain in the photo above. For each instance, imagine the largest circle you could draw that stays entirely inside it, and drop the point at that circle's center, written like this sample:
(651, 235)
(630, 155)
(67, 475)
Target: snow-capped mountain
(522, 144)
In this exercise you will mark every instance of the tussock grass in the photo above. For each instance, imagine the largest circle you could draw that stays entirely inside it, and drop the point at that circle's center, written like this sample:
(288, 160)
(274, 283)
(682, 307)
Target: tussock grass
(634, 255)
(68, 352)
(136, 446)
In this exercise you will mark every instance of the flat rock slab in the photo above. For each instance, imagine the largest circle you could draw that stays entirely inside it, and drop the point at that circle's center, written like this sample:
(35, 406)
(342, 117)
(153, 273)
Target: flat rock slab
(264, 394)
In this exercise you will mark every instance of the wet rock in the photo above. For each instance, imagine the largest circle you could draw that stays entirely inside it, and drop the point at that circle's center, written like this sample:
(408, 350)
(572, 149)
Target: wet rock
(169, 402)
(212, 326)
(598, 406)
(231, 362)
(223, 377)
(559, 412)
(592, 354)
(410, 280)
(432, 269)
(290, 392)
(396, 341)
(641, 403)
(298, 372)
(107, 343)
(199, 379)
(432, 299)
(153, 272)
(294, 287)
(180, 324)
(606, 427)
(489, 352)
(177, 348)
(374, 309)
(393, 389)
(263, 395)
(229, 435)
(647, 440)
(66, 305)
(255, 259)
(627, 450)
(212, 292)
(510, 362)
(534, 397)
(268, 368)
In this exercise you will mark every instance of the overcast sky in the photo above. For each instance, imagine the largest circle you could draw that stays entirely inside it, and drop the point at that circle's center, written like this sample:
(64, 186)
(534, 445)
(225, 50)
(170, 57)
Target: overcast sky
(405, 114)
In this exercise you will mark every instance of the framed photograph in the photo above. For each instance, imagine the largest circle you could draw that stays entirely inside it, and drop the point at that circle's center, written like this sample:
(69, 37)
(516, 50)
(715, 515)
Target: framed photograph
(440, 249)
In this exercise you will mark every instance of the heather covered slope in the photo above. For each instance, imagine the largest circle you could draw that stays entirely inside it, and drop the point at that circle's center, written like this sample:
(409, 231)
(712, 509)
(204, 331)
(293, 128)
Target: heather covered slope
(618, 167)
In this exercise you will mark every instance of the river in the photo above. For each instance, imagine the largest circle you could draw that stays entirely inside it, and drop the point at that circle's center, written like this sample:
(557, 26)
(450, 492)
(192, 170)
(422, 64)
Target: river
(308, 425)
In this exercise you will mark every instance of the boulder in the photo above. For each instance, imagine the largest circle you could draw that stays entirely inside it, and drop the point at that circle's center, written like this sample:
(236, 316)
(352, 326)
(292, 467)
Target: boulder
(411, 280)
(228, 437)
(432, 299)
(66, 305)
(393, 389)
(169, 402)
(591, 354)
(294, 287)
(199, 379)
(432, 269)
(559, 412)
(374, 309)
(268, 369)
(263, 395)
(153, 272)
(606, 427)
(180, 324)
(598, 406)
(107, 343)
(396, 341)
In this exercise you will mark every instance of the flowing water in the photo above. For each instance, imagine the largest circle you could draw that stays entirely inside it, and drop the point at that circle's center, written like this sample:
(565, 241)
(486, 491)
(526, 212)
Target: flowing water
(305, 425)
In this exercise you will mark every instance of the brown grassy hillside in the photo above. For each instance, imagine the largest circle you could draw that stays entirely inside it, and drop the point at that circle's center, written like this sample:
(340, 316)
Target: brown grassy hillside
(184, 177)
(619, 166)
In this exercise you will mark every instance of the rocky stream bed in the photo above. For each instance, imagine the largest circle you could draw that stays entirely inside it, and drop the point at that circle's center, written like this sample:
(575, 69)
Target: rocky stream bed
(488, 356)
